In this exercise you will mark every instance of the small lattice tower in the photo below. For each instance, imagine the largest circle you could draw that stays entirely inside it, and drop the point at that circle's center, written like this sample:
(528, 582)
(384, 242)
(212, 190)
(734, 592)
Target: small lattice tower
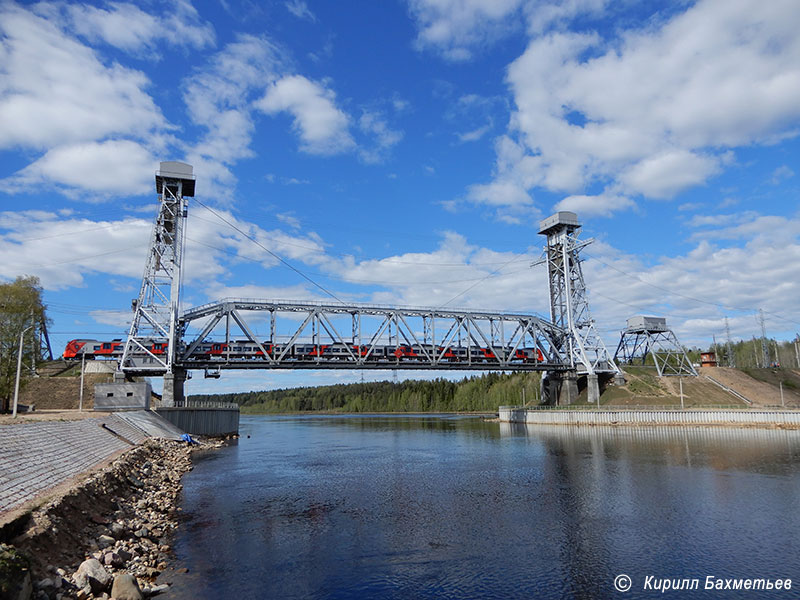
(650, 336)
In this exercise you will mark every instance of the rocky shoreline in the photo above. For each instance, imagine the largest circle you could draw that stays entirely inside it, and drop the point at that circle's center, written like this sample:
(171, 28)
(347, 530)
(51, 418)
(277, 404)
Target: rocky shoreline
(107, 537)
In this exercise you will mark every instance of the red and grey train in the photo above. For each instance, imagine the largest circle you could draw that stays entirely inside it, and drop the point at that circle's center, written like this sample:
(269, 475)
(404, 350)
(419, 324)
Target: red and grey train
(246, 349)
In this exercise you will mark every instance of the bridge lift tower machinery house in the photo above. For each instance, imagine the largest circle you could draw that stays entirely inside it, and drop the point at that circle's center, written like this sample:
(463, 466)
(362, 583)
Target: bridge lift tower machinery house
(570, 350)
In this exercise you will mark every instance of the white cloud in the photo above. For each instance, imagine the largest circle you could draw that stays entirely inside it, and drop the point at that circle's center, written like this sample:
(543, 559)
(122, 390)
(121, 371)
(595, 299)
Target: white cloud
(128, 27)
(499, 193)
(219, 98)
(655, 110)
(781, 174)
(665, 174)
(474, 135)
(53, 90)
(322, 127)
(300, 10)
(455, 26)
(602, 205)
(696, 290)
(374, 125)
(61, 252)
(109, 169)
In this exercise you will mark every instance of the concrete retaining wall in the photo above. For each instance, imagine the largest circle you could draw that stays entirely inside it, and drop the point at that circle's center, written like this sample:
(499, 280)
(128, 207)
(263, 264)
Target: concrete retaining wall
(511, 414)
(202, 421)
(122, 396)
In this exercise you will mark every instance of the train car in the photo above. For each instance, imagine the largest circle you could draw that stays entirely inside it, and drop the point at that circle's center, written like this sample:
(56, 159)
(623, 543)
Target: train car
(76, 349)
(243, 350)
(529, 355)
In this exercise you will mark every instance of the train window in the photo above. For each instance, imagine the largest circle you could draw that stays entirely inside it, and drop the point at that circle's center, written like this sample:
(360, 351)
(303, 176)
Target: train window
(97, 347)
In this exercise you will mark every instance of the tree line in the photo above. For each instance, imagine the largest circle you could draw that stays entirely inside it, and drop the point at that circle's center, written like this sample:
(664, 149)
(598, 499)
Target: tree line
(481, 393)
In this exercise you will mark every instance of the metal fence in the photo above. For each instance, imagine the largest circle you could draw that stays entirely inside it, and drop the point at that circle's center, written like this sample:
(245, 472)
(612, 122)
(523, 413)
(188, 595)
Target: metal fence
(650, 416)
(206, 404)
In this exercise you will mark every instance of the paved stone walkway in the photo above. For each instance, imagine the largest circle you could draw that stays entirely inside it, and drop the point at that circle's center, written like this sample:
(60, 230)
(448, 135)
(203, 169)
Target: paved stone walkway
(37, 456)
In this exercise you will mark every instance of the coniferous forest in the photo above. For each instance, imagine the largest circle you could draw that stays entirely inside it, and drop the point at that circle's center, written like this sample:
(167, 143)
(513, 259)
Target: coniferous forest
(482, 393)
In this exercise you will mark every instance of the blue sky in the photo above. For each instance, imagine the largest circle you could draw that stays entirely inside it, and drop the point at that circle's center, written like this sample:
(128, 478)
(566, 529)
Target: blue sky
(401, 152)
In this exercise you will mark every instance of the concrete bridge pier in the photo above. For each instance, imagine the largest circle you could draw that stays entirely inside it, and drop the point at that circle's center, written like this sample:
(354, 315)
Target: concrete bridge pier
(592, 388)
(560, 389)
(173, 388)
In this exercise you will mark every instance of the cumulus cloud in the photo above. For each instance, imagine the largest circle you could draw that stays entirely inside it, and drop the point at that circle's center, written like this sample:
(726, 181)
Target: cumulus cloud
(707, 283)
(56, 249)
(323, 128)
(54, 90)
(109, 169)
(655, 110)
(499, 193)
(219, 98)
(41, 243)
(665, 174)
(601, 205)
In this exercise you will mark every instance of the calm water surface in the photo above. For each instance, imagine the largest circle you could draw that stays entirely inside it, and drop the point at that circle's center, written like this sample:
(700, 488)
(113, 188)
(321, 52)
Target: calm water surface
(455, 507)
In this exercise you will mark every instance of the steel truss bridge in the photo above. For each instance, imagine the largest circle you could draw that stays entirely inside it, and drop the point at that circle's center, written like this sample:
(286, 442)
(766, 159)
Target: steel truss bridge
(333, 336)
(263, 334)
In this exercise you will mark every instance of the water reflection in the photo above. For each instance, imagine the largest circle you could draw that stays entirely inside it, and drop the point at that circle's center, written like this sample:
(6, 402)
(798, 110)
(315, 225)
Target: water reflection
(773, 451)
(430, 507)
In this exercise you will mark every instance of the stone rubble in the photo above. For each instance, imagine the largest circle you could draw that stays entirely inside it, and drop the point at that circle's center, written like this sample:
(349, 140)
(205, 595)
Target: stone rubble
(111, 533)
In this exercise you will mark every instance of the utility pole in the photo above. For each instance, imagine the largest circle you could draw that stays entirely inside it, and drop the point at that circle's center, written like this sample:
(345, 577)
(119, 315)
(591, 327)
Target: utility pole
(755, 350)
(19, 368)
(729, 346)
(764, 349)
(797, 349)
(83, 369)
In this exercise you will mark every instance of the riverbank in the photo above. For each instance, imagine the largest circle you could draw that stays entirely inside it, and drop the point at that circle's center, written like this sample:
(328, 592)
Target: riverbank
(111, 530)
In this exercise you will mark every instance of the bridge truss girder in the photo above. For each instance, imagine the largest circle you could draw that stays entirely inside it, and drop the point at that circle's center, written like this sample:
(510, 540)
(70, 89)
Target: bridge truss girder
(358, 332)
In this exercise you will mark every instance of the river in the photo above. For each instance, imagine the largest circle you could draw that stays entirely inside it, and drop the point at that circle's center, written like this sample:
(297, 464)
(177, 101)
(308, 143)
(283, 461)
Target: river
(456, 507)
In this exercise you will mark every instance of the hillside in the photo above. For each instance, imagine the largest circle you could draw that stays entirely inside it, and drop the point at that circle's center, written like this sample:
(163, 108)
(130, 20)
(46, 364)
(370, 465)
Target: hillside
(58, 386)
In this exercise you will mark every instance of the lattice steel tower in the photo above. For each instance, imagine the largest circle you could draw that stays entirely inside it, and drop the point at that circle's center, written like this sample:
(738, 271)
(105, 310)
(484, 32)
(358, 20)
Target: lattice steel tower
(650, 336)
(569, 305)
(154, 335)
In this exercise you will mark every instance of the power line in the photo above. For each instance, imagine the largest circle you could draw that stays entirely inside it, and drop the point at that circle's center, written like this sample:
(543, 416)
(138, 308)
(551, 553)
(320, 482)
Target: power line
(79, 259)
(270, 252)
(352, 280)
(391, 259)
(477, 283)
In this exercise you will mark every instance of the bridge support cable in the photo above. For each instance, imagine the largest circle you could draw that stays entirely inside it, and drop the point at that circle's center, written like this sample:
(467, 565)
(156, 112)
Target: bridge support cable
(153, 336)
